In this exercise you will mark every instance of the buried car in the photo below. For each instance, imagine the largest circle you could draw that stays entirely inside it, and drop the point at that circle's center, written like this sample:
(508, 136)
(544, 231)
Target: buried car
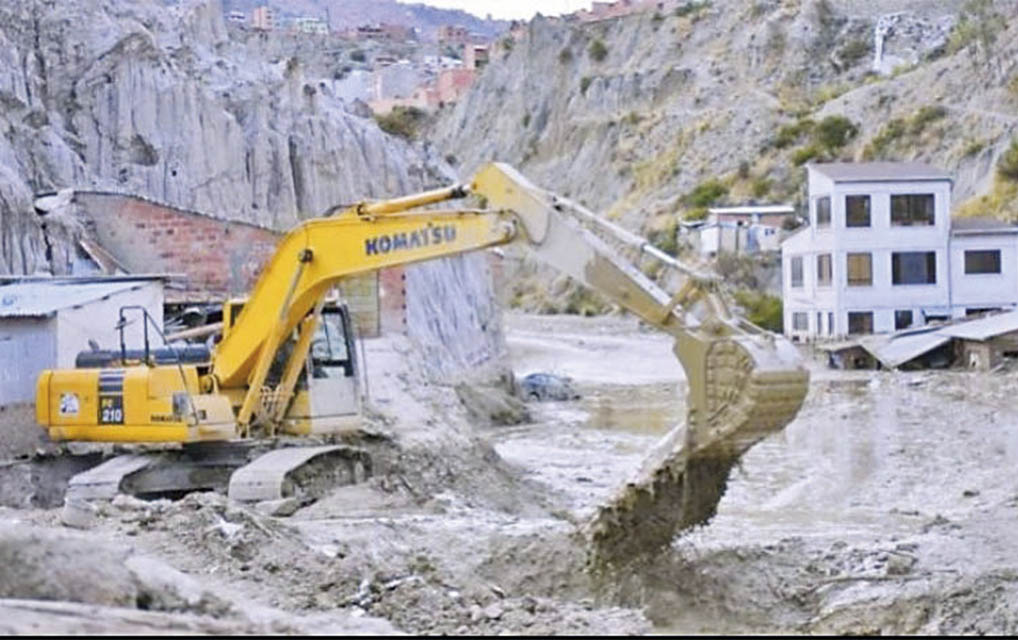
(547, 386)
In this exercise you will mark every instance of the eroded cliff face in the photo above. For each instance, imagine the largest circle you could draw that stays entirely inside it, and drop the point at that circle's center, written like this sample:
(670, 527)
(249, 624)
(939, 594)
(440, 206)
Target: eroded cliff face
(674, 100)
(161, 102)
(158, 101)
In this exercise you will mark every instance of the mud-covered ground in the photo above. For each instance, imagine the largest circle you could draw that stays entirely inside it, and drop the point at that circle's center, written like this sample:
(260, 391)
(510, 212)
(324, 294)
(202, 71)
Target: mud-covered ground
(888, 505)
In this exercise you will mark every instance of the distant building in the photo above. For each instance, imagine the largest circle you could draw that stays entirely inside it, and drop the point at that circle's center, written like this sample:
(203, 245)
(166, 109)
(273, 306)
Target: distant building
(882, 254)
(236, 17)
(453, 84)
(262, 18)
(307, 24)
(46, 322)
(453, 36)
(475, 56)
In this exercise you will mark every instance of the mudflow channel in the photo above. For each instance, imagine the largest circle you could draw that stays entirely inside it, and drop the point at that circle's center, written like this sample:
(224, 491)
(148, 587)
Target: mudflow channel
(888, 505)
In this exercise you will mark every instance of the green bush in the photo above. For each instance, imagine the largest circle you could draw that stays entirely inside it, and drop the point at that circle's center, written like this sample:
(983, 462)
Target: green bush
(526, 119)
(761, 187)
(834, 132)
(805, 154)
(705, 194)
(598, 51)
(763, 310)
(924, 116)
(585, 84)
(1007, 165)
(358, 55)
(565, 56)
(791, 133)
(690, 9)
(404, 122)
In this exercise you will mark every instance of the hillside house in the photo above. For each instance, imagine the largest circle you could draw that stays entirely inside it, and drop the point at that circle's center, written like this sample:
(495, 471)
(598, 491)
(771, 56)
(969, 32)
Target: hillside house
(881, 254)
(262, 18)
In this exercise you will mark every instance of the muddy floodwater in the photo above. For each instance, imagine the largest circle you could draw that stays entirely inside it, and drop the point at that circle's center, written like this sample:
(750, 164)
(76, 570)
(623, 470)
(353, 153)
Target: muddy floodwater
(889, 505)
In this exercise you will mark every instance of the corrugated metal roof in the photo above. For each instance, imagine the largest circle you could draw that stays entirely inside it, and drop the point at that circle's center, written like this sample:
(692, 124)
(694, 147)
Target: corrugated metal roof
(983, 328)
(896, 350)
(34, 299)
(879, 171)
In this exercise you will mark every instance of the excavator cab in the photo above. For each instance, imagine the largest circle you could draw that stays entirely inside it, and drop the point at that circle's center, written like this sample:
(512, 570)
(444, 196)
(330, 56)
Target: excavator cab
(326, 393)
(327, 398)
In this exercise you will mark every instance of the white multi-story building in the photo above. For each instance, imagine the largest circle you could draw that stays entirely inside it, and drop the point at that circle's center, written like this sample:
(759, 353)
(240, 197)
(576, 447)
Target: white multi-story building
(881, 254)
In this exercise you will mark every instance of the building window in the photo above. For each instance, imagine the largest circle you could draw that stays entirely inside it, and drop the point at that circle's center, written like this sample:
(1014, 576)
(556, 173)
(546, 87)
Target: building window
(859, 269)
(800, 321)
(824, 211)
(978, 311)
(830, 322)
(820, 322)
(902, 319)
(797, 271)
(860, 322)
(824, 270)
(913, 209)
(914, 267)
(982, 261)
(857, 211)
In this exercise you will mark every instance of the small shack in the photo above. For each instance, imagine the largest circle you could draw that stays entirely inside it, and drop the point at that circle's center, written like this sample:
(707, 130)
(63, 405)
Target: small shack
(983, 344)
(45, 322)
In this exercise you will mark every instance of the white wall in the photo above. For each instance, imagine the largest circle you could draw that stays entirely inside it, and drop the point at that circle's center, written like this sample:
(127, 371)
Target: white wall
(98, 319)
(880, 239)
(27, 346)
(984, 290)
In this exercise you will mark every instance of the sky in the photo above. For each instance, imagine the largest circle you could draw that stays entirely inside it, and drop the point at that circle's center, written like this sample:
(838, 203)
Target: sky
(510, 9)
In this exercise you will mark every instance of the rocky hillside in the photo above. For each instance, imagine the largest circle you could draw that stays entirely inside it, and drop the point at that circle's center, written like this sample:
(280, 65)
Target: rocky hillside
(135, 97)
(654, 115)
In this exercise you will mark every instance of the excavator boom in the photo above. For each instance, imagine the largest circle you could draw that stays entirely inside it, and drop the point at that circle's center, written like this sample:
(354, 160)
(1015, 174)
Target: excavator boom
(742, 383)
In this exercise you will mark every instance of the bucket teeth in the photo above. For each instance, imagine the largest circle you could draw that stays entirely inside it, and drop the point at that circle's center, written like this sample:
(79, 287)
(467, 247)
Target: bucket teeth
(749, 395)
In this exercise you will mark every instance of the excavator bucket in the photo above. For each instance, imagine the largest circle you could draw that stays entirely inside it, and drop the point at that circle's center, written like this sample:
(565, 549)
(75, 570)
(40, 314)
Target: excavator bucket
(741, 390)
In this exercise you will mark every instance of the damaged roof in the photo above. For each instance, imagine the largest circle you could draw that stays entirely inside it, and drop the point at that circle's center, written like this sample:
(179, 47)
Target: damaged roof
(897, 349)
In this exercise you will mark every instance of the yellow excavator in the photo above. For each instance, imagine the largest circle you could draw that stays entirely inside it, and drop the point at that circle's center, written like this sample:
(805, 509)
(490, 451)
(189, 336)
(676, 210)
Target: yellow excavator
(286, 363)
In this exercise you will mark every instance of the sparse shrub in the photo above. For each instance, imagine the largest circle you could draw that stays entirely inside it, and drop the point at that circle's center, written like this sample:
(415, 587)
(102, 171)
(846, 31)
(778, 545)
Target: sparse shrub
(743, 171)
(667, 237)
(402, 121)
(690, 9)
(1007, 165)
(657, 18)
(834, 132)
(633, 118)
(705, 193)
(698, 213)
(597, 50)
(805, 154)
(760, 188)
(855, 50)
(893, 130)
(791, 133)
(763, 310)
(973, 147)
(565, 56)
(1012, 85)
(585, 84)
(358, 55)
(924, 116)
(526, 119)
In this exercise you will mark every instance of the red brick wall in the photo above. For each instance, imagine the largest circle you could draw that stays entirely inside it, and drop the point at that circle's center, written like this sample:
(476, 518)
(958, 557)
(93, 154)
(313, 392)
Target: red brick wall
(219, 258)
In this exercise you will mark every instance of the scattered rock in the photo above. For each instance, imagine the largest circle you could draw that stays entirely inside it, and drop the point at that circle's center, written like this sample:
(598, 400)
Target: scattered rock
(78, 513)
(282, 508)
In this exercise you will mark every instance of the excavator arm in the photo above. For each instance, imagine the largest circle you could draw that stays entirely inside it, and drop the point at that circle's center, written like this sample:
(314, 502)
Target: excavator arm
(742, 383)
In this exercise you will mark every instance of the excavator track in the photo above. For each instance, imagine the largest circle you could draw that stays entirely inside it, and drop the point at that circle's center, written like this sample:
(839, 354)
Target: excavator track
(241, 469)
(751, 394)
(302, 472)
